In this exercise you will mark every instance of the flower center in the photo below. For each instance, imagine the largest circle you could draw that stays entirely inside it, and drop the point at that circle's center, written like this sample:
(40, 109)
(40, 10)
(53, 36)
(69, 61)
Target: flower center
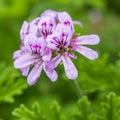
(62, 49)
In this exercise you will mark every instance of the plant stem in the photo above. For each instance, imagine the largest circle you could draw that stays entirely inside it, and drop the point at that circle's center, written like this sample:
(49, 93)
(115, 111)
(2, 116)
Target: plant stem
(78, 90)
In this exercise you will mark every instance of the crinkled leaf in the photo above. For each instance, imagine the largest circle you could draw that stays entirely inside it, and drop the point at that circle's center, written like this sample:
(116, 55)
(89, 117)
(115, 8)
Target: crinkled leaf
(111, 108)
(11, 83)
(56, 111)
(24, 113)
(85, 111)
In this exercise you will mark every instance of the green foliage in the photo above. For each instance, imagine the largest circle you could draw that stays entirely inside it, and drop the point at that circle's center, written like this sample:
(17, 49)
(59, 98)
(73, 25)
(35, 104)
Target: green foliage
(84, 109)
(79, 6)
(113, 5)
(82, 4)
(56, 111)
(24, 113)
(14, 8)
(110, 36)
(95, 89)
(100, 76)
(111, 108)
(10, 84)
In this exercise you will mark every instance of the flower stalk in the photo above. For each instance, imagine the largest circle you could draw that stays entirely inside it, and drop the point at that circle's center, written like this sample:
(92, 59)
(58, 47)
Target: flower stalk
(78, 89)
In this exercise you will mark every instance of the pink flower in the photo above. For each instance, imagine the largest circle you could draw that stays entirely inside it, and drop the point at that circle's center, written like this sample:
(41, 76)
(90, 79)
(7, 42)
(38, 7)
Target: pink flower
(46, 23)
(41, 27)
(34, 55)
(62, 42)
(51, 34)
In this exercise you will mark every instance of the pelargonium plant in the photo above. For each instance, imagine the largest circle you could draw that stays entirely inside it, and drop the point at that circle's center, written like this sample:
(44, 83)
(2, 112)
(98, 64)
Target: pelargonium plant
(49, 40)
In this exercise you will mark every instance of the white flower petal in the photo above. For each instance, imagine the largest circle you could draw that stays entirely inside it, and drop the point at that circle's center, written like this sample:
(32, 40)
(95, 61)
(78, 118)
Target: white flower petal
(23, 61)
(66, 19)
(78, 23)
(52, 75)
(25, 70)
(24, 29)
(52, 64)
(50, 13)
(87, 52)
(61, 28)
(70, 69)
(47, 54)
(16, 54)
(88, 40)
(51, 43)
(33, 28)
(34, 74)
(64, 16)
(46, 25)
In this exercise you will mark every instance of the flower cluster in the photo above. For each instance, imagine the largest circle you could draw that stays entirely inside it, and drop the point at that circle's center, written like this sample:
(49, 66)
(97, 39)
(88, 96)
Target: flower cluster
(49, 40)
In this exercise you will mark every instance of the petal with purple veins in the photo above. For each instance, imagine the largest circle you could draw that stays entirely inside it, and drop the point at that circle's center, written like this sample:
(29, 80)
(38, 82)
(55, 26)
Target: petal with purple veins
(46, 25)
(34, 44)
(24, 30)
(53, 42)
(63, 29)
(65, 18)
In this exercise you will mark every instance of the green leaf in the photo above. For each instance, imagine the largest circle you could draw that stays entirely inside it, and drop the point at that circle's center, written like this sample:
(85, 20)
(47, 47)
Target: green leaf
(111, 108)
(56, 111)
(85, 110)
(97, 78)
(10, 83)
(24, 113)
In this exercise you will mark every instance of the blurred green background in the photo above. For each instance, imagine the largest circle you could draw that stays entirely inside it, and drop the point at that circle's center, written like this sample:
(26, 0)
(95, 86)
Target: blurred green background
(96, 78)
